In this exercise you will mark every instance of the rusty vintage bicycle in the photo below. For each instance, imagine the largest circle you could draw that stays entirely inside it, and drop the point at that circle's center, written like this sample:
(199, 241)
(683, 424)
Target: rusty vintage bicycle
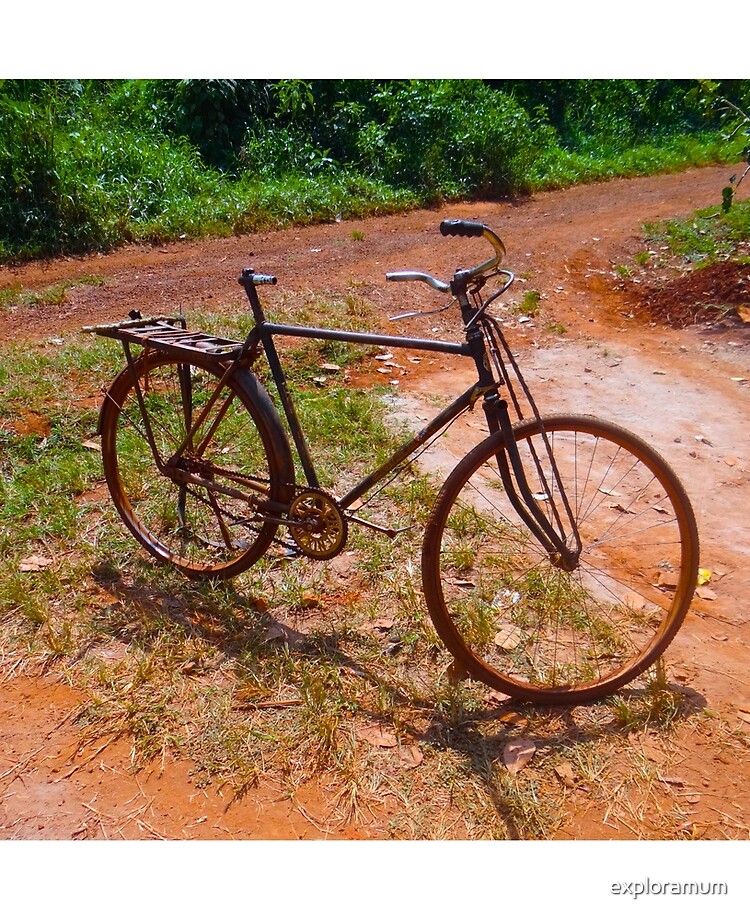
(561, 554)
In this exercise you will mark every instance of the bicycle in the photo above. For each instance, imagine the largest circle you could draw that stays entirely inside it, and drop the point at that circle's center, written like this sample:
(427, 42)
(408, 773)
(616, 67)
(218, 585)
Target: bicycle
(561, 554)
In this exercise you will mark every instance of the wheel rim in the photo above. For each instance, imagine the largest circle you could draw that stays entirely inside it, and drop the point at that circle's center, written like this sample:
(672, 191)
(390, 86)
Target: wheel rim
(520, 622)
(198, 529)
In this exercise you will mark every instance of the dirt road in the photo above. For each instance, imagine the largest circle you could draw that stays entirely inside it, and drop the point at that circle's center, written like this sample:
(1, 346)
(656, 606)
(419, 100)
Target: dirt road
(686, 391)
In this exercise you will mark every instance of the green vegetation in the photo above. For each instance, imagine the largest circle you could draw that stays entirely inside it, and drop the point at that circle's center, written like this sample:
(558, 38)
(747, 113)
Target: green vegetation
(736, 125)
(91, 164)
(530, 303)
(708, 235)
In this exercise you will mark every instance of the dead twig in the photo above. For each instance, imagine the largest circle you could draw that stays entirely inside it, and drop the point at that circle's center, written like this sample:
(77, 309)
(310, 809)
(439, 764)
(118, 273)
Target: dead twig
(88, 760)
(22, 763)
(268, 704)
(144, 825)
(301, 809)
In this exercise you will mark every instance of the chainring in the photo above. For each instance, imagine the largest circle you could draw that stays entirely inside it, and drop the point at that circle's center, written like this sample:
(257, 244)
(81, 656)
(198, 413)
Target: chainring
(317, 524)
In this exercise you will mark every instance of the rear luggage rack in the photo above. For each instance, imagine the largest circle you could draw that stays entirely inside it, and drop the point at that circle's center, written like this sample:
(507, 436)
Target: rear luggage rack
(168, 334)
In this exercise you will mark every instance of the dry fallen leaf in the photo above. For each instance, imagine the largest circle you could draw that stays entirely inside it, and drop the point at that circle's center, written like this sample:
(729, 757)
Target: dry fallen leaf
(566, 774)
(410, 756)
(92, 445)
(744, 714)
(653, 750)
(377, 736)
(508, 637)
(703, 440)
(706, 593)
(667, 580)
(495, 697)
(634, 601)
(275, 632)
(34, 563)
(383, 624)
(704, 576)
(517, 753)
(513, 718)
(672, 780)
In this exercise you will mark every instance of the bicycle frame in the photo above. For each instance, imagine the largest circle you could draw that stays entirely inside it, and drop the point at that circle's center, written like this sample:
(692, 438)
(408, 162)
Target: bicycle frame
(207, 472)
(486, 387)
(264, 333)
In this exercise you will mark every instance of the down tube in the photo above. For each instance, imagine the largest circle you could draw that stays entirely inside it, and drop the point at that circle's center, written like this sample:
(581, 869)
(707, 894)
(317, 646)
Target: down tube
(440, 421)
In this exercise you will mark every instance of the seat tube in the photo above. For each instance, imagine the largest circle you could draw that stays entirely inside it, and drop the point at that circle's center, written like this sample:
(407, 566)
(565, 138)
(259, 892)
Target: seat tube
(287, 403)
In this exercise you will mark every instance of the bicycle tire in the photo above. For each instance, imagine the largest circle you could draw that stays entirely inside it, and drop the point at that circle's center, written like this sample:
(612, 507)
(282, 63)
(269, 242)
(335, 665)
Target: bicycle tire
(514, 619)
(200, 531)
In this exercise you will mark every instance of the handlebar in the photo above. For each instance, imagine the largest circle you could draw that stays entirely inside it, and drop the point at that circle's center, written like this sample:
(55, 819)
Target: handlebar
(456, 227)
(419, 276)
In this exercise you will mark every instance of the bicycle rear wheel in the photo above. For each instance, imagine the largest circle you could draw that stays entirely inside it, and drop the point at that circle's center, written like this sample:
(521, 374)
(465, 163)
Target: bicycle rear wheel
(209, 527)
(510, 614)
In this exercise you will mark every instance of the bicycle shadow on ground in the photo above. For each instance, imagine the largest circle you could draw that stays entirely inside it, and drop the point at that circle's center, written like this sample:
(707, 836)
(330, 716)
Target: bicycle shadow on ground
(240, 630)
(483, 736)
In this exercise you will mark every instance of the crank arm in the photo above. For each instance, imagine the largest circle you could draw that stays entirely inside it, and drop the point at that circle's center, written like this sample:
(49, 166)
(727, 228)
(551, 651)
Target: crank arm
(388, 531)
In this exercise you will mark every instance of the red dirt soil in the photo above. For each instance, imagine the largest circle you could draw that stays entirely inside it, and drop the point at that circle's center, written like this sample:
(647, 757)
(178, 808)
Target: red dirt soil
(684, 389)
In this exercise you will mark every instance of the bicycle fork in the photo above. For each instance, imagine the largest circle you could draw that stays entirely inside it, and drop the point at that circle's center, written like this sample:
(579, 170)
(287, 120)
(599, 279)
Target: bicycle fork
(551, 534)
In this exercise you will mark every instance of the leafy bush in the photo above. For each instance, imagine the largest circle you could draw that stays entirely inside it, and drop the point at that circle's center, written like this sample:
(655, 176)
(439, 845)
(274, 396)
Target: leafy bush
(449, 137)
(90, 164)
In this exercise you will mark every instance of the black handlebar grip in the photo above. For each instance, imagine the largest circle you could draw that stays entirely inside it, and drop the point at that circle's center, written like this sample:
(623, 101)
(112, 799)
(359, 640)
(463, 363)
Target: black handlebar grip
(456, 227)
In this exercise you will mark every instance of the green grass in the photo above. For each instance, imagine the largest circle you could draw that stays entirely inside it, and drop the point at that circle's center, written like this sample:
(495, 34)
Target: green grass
(530, 304)
(53, 295)
(708, 235)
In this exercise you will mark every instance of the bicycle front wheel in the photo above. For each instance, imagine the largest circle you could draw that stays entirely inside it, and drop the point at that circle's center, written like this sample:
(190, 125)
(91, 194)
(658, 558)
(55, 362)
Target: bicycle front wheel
(507, 609)
(192, 499)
